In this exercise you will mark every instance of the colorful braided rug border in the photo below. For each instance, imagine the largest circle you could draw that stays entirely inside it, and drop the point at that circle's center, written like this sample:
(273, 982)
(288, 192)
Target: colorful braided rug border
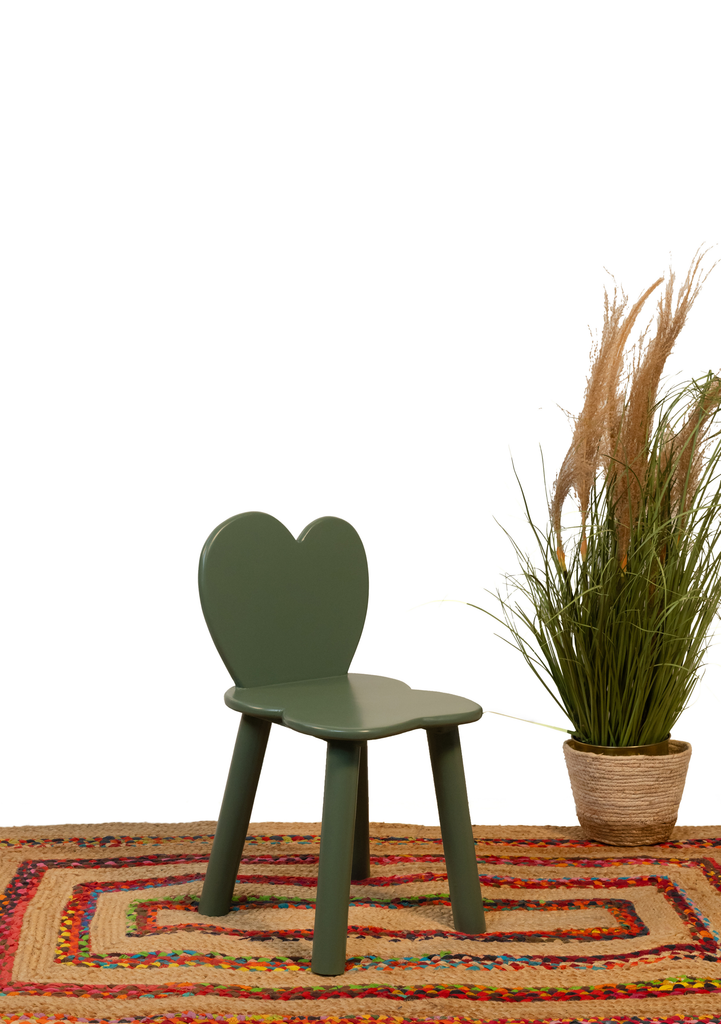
(97, 922)
(204, 1018)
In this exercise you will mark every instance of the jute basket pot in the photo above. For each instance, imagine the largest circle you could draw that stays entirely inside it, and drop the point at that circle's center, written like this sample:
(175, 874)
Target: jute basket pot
(627, 800)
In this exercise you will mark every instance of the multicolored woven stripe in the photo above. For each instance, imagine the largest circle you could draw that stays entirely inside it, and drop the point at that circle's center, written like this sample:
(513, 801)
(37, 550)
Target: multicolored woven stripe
(204, 1018)
(100, 923)
(708, 842)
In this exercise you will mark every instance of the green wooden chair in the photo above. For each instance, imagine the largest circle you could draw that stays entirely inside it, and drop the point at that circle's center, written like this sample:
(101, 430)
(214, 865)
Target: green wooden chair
(286, 617)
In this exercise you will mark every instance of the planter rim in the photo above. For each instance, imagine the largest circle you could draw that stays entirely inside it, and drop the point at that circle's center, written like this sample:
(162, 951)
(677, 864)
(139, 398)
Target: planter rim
(660, 749)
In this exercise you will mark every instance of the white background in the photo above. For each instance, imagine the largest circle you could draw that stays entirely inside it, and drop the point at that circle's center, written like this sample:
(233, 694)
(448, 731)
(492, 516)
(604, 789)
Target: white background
(315, 259)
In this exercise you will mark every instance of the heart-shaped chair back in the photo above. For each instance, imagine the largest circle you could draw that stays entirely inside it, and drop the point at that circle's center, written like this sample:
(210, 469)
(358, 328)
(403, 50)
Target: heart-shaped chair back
(280, 609)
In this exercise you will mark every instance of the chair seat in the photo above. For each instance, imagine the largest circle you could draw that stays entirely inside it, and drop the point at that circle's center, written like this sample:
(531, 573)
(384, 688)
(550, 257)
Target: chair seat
(352, 706)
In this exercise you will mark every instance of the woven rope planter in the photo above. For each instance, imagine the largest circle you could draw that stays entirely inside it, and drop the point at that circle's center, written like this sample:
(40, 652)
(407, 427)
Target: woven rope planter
(628, 801)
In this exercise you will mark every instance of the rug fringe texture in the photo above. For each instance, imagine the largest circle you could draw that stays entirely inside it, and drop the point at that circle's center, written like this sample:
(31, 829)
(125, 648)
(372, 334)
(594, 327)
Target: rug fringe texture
(99, 923)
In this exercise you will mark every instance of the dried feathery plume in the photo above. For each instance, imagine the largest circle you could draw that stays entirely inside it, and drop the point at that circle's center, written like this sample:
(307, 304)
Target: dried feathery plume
(597, 421)
(683, 452)
(629, 465)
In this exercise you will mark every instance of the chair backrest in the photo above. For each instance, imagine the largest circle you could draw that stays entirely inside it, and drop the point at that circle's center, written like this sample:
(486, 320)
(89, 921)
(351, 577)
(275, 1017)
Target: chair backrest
(280, 609)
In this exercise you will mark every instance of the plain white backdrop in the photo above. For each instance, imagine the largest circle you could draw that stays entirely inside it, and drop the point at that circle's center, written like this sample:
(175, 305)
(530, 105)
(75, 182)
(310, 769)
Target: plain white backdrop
(315, 258)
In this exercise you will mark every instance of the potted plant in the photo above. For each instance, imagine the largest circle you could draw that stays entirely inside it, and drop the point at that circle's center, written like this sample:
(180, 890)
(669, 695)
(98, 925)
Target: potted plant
(614, 611)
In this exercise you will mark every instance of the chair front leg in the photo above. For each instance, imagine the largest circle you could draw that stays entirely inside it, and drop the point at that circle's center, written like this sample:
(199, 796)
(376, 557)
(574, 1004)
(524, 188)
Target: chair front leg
(444, 746)
(361, 839)
(234, 816)
(330, 929)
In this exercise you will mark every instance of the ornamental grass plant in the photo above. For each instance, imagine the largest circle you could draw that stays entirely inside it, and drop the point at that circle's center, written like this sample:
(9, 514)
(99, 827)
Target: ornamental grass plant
(614, 614)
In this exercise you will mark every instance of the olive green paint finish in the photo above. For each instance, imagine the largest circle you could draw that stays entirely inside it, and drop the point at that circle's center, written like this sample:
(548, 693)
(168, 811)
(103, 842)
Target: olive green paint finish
(286, 617)
(280, 609)
(234, 816)
(444, 746)
(361, 868)
(352, 706)
(335, 860)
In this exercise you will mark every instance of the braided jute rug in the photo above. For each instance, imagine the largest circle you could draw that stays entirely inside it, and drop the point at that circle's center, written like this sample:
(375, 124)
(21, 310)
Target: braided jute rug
(100, 923)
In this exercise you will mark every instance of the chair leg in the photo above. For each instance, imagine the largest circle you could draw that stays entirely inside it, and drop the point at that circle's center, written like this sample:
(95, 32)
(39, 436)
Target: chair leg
(234, 816)
(361, 839)
(330, 929)
(444, 746)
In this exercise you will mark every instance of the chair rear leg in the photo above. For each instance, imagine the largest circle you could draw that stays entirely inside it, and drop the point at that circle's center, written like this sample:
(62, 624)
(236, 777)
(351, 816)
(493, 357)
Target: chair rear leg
(234, 817)
(444, 746)
(330, 929)
(361, 839)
